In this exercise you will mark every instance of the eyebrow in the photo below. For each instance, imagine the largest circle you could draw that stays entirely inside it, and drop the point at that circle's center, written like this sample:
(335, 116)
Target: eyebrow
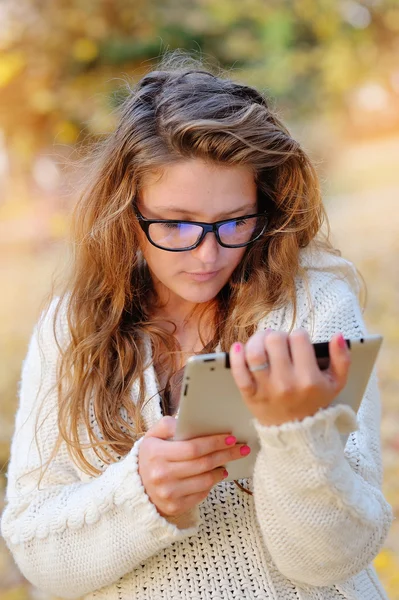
(183, 211)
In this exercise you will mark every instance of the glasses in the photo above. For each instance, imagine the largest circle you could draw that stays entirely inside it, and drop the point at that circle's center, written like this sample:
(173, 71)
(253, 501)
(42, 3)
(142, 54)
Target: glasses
(178, 236)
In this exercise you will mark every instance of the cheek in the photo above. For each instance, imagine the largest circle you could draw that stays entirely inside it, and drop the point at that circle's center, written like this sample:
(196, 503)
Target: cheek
(234, 257)
(161, 263)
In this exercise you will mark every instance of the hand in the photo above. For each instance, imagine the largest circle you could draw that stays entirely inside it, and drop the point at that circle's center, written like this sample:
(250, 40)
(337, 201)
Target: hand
(293, 386)
(179, 475)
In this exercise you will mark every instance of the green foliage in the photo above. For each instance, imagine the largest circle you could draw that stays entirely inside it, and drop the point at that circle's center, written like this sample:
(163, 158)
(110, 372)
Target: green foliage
(56, 56)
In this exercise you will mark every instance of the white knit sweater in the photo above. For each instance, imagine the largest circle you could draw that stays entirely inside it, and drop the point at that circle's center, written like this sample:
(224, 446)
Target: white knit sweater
(310, 531)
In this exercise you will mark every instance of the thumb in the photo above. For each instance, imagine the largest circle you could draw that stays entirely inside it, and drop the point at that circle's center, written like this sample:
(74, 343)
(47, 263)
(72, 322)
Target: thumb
(340, 360)
(164, 429)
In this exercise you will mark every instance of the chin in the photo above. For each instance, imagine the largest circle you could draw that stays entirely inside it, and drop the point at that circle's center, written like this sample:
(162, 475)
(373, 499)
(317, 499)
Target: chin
(198, 296)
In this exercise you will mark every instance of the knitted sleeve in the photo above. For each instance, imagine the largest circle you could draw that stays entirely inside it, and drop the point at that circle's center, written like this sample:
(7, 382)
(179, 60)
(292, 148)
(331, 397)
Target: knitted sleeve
(72, 537)
(319, 505)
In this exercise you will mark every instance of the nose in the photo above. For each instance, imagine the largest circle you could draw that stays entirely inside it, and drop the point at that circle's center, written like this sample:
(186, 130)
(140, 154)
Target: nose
(208, 250)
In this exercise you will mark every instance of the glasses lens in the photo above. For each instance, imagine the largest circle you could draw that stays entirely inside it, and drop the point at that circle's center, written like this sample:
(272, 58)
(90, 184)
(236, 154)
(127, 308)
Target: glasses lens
(241, 231)
(174, 236)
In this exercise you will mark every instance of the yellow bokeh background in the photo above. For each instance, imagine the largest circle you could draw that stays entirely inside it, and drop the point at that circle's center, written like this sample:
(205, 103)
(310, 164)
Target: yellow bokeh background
(330, 68)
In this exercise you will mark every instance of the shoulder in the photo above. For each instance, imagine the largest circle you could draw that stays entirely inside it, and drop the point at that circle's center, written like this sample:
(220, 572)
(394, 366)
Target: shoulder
(324, 282)
(39, 366)
(53, 319)
(50, 332)
(324, 276)
(328, 288)
(320, 267)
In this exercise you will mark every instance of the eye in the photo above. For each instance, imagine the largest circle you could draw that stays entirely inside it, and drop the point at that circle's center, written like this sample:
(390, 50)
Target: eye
(170, 225)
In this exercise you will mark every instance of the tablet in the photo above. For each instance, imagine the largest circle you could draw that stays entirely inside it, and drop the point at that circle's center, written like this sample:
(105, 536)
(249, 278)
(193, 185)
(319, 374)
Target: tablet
(211, 403)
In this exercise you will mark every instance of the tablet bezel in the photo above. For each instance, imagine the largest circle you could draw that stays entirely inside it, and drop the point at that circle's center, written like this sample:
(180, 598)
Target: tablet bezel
(200, 415)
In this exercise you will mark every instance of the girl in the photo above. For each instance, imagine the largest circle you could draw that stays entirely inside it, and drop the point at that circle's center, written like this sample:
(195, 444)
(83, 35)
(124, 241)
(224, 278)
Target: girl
(198, 231)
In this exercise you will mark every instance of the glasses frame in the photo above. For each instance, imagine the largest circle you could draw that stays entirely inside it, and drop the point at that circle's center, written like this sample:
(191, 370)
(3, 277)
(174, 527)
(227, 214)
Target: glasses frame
(206, 228)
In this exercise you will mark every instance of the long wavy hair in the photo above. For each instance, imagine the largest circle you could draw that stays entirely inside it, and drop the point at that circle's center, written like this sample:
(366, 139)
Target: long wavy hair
(182, 110)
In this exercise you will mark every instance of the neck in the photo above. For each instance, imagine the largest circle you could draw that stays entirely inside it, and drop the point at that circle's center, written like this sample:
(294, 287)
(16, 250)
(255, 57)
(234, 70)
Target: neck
(187, 324)
(183, 313)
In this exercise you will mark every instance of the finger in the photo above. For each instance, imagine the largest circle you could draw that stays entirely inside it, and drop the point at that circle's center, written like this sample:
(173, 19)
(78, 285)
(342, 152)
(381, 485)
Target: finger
(277, 348)
(164, 429)
(183, 505)
(209, 462)
(239, 369)
(340, 360)
(197, 447)
(303, 355)
(246, 380)
(176, 489)
(202, 482)
(255, 353)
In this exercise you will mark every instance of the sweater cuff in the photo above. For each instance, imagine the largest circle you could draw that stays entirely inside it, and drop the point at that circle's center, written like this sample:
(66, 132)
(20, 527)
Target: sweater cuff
(173, 529)
(310, 431)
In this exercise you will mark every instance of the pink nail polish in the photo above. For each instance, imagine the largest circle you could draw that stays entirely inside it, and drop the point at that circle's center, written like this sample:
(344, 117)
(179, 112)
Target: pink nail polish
(237, 347)
(225, 474)
(342, 342)
(245, 450)
(230, 440)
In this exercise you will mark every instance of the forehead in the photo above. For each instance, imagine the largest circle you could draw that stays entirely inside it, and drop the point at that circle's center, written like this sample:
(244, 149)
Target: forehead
(199, 188)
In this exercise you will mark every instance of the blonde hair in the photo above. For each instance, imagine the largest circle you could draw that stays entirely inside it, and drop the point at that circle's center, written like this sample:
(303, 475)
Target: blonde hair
(180, 111)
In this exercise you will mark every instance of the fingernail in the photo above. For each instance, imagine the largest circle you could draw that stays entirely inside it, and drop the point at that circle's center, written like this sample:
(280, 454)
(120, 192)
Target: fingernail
(237, 347)
(225, 474)
(341, 342)
(245, 450)
(230, 440)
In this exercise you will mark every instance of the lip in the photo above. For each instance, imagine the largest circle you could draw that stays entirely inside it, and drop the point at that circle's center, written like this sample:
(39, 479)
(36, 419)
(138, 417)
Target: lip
(202, 276)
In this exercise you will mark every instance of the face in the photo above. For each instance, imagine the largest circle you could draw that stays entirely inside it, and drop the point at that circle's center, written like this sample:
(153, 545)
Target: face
(195, 191)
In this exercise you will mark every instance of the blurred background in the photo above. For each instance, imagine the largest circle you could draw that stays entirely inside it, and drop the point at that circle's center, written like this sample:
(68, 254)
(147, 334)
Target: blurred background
(329, 66)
